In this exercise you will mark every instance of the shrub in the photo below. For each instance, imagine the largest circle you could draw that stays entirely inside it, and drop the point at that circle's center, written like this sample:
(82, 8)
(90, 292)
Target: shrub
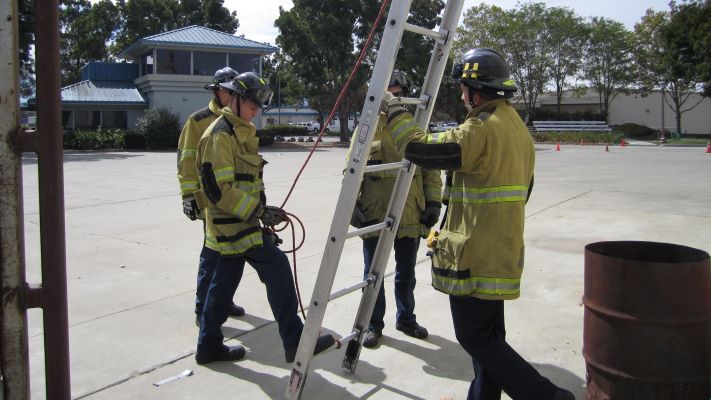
(133, 139)
(576, 137)
(101, 139)
(636, 131)
(160, 128)
(284, 130)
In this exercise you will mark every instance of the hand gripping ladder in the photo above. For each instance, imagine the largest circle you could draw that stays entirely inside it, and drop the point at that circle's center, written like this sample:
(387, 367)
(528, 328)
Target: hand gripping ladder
(395, 25)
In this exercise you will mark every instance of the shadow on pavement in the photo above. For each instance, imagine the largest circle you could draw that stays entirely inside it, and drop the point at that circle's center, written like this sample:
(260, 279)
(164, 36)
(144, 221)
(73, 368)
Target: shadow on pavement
(563, 378)
(87, 156)
(436, 364)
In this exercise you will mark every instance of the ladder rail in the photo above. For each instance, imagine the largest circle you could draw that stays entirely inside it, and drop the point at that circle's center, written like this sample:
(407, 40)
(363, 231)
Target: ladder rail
(346, 201)
(395, 25)
(433, 78)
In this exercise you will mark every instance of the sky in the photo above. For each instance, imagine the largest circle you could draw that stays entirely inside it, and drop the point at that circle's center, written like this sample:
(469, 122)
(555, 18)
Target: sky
(256, 17)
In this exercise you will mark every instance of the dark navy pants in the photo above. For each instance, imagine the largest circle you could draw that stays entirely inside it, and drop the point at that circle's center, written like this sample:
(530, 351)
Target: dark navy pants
(206, 268)
(274, 271)
(480, 329)
(405, 258)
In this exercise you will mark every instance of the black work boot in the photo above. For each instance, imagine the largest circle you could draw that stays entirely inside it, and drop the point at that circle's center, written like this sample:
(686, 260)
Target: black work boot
(322, 343)
(236, 311)
(371, 337)
(563, 394)
(226, 353)
(412, 329)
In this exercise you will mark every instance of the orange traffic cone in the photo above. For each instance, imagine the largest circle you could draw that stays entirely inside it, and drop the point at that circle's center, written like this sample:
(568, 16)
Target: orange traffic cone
(557, 147)
(708, 146)
(622, 143)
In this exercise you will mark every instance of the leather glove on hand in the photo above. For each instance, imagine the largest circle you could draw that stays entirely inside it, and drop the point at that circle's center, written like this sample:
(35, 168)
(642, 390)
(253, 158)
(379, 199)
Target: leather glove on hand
(430, 215)
(270, 215)
(190, 207)
(389, 100)
(358, 218)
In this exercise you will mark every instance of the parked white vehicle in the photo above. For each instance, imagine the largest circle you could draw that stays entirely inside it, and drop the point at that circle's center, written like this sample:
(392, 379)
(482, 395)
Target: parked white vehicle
(311, 126)
(335, 125)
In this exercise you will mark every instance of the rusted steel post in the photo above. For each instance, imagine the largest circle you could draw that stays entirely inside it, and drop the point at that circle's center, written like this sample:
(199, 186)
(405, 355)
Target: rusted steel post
(51, 201)
(14, 367)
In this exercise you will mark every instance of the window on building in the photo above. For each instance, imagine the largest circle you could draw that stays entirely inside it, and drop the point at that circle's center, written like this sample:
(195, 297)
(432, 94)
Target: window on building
(67, 120)
(176, 62)
(244, 62)
(205, 63)
(114, 119)
(147, 63)
(87, 119)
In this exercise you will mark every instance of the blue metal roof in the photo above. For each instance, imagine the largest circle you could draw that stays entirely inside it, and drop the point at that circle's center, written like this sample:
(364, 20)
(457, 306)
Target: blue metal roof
(105, 92)
(196, 37)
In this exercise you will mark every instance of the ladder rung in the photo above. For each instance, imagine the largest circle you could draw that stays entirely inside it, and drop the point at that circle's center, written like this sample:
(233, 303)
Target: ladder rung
(404, 164)
(349, 289)
(347, 338)
(368, 229)
(357, 286)
(441, 35)
(418, 101)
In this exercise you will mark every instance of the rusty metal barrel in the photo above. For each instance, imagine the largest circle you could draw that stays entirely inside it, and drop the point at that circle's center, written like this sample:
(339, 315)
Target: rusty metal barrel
(647, 321)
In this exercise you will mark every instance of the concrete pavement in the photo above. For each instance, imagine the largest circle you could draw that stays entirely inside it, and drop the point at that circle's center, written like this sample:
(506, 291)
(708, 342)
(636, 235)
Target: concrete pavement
(132, 257)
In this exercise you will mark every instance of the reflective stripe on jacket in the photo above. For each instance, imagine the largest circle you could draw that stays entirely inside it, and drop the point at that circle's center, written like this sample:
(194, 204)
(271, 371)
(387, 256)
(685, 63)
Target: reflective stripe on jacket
(194, 127)
(374, 196)
(480, 250)
(230, 147)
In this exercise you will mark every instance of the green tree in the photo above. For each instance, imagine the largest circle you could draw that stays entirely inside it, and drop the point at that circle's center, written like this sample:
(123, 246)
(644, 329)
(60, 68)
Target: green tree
(521, 35)
(608, 62)
(658, 68)
(567, 34)
(528, 50)
(317, 40)
(688, 40)
(142, 18)
(26, 28)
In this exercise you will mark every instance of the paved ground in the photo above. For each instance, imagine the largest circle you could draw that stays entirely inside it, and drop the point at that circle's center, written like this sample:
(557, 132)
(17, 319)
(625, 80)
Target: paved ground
(132, 256)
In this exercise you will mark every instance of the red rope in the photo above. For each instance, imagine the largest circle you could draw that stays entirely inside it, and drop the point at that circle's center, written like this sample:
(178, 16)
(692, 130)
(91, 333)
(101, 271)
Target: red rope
(318, 140)
(340, 96)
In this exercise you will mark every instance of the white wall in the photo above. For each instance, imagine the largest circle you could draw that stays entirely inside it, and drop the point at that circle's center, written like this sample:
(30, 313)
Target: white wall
(181, 94)
(648, 111)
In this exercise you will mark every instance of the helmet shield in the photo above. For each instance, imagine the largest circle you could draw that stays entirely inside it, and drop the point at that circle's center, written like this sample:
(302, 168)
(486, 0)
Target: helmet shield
(251, 86)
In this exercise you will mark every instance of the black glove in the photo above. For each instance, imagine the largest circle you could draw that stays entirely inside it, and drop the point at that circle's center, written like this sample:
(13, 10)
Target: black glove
(431, 214)
(357, 218)
(190, 208)
(270, 215)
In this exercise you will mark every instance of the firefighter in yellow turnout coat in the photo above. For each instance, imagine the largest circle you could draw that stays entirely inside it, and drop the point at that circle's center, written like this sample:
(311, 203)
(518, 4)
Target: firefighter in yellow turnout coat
(421, 212)
(231, 178)
(478, 259)
(193, 129)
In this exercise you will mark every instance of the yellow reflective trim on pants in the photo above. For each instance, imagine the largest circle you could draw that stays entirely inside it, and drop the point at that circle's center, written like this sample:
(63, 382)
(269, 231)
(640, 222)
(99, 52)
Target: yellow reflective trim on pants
(474, 285)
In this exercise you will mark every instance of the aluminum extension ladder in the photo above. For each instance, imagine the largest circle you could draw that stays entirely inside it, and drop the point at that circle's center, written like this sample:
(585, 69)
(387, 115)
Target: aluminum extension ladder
(395, 25)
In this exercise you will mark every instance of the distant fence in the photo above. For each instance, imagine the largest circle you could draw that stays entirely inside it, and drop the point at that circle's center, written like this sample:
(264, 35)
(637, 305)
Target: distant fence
(568, 126)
